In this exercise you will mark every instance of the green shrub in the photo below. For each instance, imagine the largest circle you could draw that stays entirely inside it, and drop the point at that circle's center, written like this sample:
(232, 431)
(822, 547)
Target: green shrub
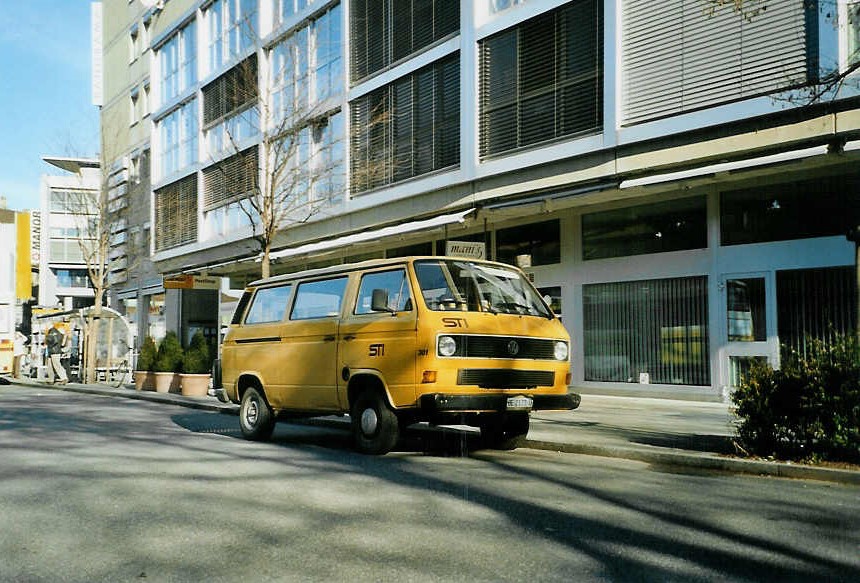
(169, 357)
(197, 359)
(148, 352)
(807, 410)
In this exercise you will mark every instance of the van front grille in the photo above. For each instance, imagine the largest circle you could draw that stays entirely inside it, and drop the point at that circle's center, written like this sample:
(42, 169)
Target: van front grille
(505, 347)
(493, 378)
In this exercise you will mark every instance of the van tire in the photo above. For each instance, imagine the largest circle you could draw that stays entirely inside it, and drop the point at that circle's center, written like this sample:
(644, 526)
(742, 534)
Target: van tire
(255, 416)
(374, 425)
(505, 430)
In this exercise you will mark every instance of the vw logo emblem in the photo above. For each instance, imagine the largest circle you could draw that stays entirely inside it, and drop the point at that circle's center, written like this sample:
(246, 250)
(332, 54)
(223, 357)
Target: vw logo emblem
(513, 348)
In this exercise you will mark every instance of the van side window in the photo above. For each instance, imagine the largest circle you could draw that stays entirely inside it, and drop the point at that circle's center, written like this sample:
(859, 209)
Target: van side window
(269, 305)
(394, 282)
(319, 299)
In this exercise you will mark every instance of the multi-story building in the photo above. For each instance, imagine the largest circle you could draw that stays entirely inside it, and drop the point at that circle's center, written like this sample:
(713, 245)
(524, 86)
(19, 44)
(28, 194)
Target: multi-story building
(676, 177)
(69, 207)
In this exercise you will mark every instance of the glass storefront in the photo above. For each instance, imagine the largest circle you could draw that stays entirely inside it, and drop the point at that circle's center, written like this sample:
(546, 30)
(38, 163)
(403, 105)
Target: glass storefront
(649, 331)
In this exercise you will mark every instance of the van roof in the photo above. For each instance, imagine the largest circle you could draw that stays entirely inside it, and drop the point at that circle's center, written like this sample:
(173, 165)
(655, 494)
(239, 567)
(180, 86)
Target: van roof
(347, 267)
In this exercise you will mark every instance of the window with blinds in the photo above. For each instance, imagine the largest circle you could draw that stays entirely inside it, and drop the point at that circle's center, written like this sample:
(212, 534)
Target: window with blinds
(176, 214)
(815, 304)
(231, 92)
(231, 179)
(650, 331)
(407, 128)
(383, 32)
(542, 79)
(684, 56)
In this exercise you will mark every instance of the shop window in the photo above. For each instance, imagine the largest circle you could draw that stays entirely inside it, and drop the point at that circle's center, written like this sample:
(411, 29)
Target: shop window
(417, 249)
(657, 228)
(815, 304)
(799, 210)
(529, 245)
(552, 296)
(651, 331)
(745, 310)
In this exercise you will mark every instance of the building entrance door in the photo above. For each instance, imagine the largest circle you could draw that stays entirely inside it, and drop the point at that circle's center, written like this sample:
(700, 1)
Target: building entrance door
(749, 324)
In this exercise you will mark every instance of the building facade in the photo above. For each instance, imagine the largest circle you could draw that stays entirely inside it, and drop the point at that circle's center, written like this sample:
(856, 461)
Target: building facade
(69, 205)
(677, 181)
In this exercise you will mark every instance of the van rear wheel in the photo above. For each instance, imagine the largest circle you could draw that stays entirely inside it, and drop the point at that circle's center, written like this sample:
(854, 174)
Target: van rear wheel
(505, 430)
(255, 416)
(374, 425)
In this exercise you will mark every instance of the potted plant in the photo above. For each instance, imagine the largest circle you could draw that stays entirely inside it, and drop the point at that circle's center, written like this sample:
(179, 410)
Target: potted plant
(168, 362)
(196, 365)
(143, 379)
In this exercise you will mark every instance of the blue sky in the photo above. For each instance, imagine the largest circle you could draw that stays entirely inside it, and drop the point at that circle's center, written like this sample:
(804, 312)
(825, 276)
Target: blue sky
(45, 95)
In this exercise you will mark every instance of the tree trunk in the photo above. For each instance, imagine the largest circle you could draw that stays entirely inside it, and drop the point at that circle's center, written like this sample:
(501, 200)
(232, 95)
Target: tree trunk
(264, 264)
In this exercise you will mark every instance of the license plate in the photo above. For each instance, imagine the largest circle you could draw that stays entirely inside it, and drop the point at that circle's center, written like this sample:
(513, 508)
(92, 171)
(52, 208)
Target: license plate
(519, 402)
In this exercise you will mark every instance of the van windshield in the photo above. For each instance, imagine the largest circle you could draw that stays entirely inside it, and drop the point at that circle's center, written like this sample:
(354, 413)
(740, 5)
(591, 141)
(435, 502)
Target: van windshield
(462, 286)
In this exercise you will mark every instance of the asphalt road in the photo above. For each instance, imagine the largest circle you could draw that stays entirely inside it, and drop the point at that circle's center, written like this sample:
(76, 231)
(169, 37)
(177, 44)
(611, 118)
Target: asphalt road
(101, 489)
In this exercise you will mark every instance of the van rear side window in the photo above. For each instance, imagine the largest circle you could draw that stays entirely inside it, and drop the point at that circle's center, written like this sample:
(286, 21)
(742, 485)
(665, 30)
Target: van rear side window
(319, 299)
(269, 305)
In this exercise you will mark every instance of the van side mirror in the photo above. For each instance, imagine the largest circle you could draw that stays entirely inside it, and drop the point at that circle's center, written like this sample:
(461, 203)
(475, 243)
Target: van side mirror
(379, 301)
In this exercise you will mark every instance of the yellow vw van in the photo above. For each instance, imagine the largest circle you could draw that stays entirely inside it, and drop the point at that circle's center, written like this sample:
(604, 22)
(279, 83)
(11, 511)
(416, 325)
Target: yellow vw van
(394, 342)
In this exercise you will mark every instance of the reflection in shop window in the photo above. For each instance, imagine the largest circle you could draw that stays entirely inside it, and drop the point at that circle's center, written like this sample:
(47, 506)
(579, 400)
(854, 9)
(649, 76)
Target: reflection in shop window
(652, 331)
(534, 244)
(798, 210)
(656, 228)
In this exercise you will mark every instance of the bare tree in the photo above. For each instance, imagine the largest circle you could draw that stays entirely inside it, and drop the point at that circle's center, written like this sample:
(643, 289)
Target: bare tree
(89, 212)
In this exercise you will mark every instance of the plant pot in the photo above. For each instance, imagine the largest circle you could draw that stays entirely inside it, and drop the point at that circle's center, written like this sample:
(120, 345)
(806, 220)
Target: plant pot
(195, 385)
(166, 382)
(143, 380)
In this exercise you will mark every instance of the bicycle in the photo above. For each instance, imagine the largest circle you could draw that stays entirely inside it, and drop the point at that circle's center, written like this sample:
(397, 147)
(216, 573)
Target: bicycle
(120, 375)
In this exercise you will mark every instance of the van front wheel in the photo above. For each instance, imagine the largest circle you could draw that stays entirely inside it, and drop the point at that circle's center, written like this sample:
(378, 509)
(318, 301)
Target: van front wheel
(374, 424)
(255, 416)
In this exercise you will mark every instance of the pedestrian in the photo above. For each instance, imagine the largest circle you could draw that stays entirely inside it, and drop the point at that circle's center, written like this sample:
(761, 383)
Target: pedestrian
(55, 340)
(20, 351)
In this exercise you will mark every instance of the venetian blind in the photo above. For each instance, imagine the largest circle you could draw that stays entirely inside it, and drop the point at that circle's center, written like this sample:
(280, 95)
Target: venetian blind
(176, 214)
(683, 55)
(407, 128)
(542, 79)
(383, 32)
(231, 179)
(231, 91)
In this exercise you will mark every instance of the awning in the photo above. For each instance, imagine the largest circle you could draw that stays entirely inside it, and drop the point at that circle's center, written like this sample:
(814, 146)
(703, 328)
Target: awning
(702, 171)
(373, 235)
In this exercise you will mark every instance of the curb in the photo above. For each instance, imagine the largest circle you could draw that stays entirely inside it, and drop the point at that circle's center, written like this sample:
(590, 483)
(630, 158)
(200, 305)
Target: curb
(642, 453)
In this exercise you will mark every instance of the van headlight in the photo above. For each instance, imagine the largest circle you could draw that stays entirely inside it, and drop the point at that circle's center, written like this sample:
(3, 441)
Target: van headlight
(447, 346)
(561, 351)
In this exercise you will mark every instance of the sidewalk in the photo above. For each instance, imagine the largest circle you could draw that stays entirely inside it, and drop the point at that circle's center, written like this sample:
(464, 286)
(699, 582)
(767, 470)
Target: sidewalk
(682, 434)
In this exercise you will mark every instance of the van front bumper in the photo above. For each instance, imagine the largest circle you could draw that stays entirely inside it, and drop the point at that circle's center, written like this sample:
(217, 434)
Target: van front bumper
(442, 403)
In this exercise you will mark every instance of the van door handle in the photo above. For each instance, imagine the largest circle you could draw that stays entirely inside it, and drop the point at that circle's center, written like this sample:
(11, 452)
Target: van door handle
(349, 337)
(329, 338)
